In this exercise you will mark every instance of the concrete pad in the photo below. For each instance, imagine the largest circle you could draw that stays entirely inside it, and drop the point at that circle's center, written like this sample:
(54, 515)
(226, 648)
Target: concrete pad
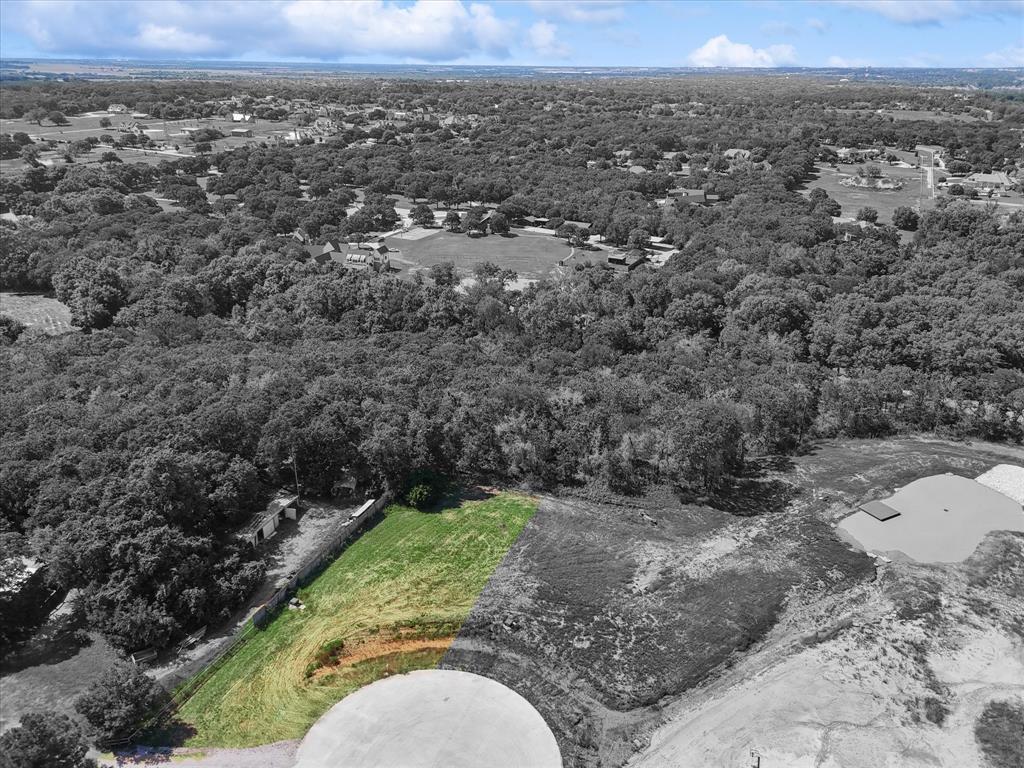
(435, 718)
(942, 519)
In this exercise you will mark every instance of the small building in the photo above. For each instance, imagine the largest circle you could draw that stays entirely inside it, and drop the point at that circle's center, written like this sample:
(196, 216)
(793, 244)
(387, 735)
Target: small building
(117, 109)
(628, 259)
(242, 117)
(264, 525)
(241, 133)
(639, 170)
(736, 154)
(691, 196)
(321, 254)
(994, 180)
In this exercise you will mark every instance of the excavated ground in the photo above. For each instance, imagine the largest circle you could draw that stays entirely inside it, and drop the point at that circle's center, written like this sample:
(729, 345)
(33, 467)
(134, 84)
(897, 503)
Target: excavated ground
(623, 619)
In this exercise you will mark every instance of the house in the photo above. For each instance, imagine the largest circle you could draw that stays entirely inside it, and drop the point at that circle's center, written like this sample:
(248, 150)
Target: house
(130, 126)
(629, 259)
(692, 196)
(375, 247)
(117, 109)
(994, 180)
(736, 154)
(638, 170)
(264, 525)
(321, 254)
(242, 117)
(241, 133)
(584, 225)
(856, 155)
(378, 262)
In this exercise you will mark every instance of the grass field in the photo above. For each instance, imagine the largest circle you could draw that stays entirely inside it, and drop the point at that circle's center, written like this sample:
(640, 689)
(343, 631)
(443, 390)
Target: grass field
(529, 254)
(395, 597)
(36, 311)
(852, 199)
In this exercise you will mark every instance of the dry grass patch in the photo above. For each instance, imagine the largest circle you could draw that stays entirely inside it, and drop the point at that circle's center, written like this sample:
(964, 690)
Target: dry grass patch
(394, 599)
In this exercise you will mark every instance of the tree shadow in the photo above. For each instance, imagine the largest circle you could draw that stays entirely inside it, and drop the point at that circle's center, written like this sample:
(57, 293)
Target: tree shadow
(155, 745)
(56, 640)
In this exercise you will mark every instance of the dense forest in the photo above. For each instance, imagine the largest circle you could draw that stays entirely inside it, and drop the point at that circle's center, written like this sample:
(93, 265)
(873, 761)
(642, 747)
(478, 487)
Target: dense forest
(218, 358)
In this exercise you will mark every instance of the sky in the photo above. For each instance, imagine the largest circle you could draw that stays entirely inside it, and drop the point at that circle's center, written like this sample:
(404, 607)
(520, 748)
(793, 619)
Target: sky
(644, 33)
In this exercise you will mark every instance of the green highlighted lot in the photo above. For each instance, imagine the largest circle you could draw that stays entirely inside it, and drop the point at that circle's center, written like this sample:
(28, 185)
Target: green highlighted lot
(395, 599)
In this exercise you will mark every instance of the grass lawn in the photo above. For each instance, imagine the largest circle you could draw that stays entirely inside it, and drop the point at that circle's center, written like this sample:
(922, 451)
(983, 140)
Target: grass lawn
(395, 597)
(528, 253)
(36, 311)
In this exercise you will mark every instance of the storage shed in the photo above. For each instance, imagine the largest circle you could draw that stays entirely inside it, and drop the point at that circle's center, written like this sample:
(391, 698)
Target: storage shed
(264, 525)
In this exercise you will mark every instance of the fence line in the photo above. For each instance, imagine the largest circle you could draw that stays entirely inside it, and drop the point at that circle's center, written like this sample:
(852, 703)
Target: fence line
(316, 563)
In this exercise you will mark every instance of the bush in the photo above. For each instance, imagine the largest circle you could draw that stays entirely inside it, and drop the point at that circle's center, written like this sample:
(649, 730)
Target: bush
(905, 218)
(1000, 733)
(44, 740)
(119, 701)
(867, 213)
(419, 496)
(425, 489)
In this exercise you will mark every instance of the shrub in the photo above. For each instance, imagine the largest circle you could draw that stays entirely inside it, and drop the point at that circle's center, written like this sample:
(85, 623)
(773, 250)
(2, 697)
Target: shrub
(425, 489)
(119, 701)
(44, 740)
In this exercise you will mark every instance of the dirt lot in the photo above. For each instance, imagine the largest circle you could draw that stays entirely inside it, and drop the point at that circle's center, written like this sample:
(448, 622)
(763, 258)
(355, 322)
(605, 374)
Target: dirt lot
(614, 619)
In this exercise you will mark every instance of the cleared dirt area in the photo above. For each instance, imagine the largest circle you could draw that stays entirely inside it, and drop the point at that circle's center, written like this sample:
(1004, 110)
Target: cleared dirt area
(940, 519)
(613, 618)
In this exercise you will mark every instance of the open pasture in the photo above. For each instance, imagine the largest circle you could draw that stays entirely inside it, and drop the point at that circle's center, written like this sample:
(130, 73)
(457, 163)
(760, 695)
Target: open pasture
(395, 598)
(915, 192)
(529, 254)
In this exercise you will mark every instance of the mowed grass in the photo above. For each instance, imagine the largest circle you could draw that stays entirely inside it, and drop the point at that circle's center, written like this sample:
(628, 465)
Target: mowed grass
(413, 569)
(528, 253)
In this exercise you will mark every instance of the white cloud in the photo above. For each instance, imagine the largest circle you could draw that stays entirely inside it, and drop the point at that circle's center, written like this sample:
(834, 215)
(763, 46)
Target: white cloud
(1006, 57)
(580, 11)
(429, 30)
(543, 38)
(935, 11)
(818, 25)
(426, 30)
(722, 52)
(160, 38)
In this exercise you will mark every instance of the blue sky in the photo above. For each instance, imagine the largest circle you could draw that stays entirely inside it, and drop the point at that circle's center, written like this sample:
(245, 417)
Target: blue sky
(813, 33)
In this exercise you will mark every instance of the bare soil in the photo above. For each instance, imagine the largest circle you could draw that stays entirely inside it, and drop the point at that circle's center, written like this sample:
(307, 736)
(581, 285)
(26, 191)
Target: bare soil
(612, 616)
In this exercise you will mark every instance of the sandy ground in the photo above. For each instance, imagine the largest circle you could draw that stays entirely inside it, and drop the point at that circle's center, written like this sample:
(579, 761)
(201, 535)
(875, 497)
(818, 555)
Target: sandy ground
(852, 693)
(941, 518)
